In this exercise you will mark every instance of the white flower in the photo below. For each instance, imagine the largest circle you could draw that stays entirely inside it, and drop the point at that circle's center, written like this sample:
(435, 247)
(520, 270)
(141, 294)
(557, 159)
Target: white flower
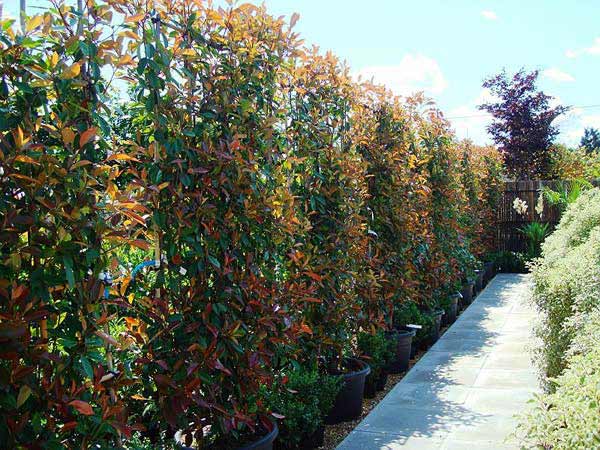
(539, 206)
(520, 206)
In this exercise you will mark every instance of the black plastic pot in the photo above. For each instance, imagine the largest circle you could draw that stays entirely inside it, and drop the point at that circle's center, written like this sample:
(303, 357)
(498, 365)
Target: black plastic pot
(489, 271)
(435, 333)
(314, 440)
(370, 386)
(478, 281)
(263, 443)
(452, 312)
(445, 322)
(467, 294)
(413, 345)
(348, 403)
(307, 441)
(402, 342)
(382, 381)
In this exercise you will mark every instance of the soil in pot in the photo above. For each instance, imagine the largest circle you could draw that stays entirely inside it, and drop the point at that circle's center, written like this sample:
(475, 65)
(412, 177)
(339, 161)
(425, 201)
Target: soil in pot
(348, 403)
(402, 343)
(250, 442)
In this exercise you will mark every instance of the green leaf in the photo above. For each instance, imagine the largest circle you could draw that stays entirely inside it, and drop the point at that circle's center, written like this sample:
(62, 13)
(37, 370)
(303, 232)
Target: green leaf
(68, 262)
(214, 261)
(8, 401)
(67, 343)
(91, 255)
(7, 24)
(87, 368)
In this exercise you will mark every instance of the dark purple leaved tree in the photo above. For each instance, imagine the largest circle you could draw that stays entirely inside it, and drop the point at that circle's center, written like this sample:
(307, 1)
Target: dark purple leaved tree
(522, 123)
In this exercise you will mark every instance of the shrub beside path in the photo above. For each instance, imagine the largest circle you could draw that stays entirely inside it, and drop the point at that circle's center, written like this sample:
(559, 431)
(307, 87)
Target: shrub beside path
(464, 392)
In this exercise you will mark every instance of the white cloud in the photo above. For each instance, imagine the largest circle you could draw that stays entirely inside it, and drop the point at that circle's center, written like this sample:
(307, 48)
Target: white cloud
(571, 53)
(414, 73)
(593, 120)
(489, 15)
(470, 122)
(572, 124)
(594, 49)
(555, 74)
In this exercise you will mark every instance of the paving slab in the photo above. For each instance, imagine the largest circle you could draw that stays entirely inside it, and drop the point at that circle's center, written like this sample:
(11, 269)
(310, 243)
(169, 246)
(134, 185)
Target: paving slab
(465, 391)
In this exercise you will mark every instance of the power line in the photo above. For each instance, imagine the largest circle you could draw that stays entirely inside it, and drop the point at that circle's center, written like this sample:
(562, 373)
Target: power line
(472, 116)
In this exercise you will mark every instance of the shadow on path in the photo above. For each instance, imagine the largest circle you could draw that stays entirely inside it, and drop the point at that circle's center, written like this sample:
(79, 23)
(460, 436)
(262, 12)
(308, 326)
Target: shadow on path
(463, 393)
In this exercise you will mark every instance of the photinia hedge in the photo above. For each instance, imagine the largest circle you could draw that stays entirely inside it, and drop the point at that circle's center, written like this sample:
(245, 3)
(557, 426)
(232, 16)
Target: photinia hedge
(60, 386)
(195, 205)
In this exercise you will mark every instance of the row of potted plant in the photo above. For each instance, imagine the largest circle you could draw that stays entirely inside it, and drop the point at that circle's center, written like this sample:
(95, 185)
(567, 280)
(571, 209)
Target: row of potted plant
(313, 400)
(245, 228)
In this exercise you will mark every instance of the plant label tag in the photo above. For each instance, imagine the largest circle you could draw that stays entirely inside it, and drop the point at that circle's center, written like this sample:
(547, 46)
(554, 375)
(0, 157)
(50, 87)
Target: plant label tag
(416, 327)
(182, 270)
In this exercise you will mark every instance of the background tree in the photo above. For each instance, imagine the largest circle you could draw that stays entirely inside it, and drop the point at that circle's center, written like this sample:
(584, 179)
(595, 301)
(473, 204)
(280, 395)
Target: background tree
(590, 139)
(522, 126)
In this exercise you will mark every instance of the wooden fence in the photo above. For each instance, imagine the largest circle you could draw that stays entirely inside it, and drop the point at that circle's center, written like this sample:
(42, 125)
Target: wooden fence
(510, 221)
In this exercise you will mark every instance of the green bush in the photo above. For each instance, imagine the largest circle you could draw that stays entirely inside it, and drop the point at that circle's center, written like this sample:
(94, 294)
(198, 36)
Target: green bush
(569, 418)
(376, 350)
(305, 400)
(567, 281)
(509, 262)
(566, 286)
(535, 232)
(409, 313)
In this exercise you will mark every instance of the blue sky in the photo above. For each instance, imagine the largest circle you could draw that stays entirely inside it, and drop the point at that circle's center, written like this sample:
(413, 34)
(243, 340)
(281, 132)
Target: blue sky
(448, 47)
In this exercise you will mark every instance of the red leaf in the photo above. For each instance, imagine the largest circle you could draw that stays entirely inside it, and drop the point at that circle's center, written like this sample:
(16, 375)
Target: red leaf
(83, 407)
(162, 364)
(314, 276)
(305, 328)
(18, 292)
(87, 135)
(68, 426)
(221, 367)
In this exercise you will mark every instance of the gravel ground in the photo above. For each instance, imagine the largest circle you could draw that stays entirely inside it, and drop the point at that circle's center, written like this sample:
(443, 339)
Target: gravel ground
(335, 434)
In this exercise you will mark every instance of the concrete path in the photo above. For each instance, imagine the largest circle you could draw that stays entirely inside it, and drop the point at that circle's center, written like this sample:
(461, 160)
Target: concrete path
(464, 392)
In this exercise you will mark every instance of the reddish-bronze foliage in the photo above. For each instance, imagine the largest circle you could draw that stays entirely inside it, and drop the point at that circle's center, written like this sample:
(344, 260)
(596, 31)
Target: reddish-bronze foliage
(280, 208)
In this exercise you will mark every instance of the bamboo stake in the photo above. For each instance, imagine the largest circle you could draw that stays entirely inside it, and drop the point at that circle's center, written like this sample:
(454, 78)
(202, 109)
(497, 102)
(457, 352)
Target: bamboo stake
(155, 227)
